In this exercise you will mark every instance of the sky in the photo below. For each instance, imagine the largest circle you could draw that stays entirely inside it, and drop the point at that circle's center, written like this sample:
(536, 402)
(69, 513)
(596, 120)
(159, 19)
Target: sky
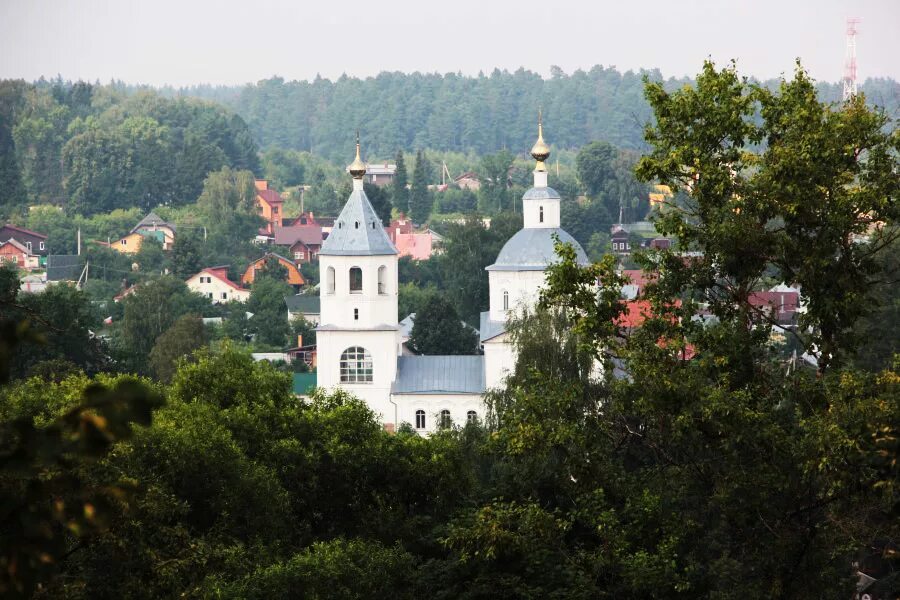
(186, 42)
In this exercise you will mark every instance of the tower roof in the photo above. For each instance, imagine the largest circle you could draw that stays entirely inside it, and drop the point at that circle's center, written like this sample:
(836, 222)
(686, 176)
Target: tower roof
(357, 231)
(534, 250)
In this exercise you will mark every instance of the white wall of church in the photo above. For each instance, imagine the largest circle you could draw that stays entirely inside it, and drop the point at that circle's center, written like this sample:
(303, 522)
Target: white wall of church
(522, 287)
(382, 345)
(538, 214)
(458, 404)
(499, 361)
(374, 304)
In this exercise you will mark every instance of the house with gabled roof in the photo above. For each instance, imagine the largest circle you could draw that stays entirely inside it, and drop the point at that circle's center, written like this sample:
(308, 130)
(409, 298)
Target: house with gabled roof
(154, 226)
(270, 205)
(15, 253)
(294, 277)
(213, 283)
(303, 242)
(34, 242)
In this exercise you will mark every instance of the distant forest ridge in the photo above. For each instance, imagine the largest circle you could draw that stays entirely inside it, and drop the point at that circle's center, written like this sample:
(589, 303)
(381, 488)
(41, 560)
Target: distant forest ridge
(454, 112)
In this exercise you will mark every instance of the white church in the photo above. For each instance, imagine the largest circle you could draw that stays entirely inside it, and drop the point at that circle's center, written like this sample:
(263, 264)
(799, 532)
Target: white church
(359, 346)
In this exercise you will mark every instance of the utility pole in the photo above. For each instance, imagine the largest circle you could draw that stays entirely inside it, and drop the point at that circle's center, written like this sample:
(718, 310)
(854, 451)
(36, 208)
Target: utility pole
(850, 59)
(79, 241)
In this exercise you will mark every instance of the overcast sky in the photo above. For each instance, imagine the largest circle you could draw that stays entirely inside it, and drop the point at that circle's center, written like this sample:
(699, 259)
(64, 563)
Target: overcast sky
(183, 42)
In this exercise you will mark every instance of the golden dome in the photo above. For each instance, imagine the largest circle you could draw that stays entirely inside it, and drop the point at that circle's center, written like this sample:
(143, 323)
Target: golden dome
(540, 151)
(357, 168)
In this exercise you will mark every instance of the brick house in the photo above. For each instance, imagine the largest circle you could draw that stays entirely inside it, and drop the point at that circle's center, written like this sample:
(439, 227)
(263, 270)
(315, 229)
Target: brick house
(15, 253)
(270, 205)
(302, 241)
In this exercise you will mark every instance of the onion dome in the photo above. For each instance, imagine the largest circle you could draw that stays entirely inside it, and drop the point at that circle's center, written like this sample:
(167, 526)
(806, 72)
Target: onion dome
(357, 168)
(540, 151)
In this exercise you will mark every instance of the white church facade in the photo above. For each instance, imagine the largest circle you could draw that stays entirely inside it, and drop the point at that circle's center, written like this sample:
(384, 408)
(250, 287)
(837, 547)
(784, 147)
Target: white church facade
(359, 343)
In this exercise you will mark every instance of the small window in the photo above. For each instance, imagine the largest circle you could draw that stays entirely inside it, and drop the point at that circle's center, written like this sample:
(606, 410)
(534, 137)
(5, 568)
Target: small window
(210, 295)
(471, 417)
(340, 225)
(445, 419)
(356, 224)
(382, 280)
(330, 280)
(28, 245)
(356, 314)
(123, 241)
(355, 280)
(42, 245)
(224, 295)
(373, 224)
(505, 300)
(541, 215)
(356, 365)
(420, 419)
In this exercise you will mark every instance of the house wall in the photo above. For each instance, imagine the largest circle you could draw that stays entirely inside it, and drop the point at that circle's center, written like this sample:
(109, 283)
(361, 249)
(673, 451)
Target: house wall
(215, 289)
(11, 254)
(130, 244)
(433, 404)
(38, 244)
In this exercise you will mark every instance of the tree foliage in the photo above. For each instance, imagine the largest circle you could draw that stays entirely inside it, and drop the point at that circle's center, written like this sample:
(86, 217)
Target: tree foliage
(437, 329)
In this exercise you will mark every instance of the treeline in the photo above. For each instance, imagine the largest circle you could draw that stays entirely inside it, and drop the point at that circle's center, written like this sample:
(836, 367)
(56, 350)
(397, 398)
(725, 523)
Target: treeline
(94, 148)
(461, 113)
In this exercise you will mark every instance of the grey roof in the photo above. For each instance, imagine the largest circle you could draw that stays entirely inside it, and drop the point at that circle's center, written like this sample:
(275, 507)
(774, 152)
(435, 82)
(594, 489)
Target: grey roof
(63, 267)
(439, 375)
(357, 231)
(490, 329)
(541, 193)
(533, 250)
(310, 235)
(304, 303)
(152, 220)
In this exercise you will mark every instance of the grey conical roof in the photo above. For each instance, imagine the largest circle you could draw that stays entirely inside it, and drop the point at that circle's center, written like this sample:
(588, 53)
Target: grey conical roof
(357, 231)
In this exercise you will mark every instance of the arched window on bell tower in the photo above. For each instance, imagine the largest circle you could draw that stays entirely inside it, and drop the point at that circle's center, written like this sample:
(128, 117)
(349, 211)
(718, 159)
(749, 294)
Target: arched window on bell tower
(356, 280)
(382, 280)
(505, 300)
(330, 280)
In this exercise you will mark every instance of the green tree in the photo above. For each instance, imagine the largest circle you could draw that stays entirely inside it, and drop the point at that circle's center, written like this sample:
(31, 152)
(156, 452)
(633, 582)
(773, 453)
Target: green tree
(437, 329)
(419, 196)
(494, 190)
(399, 191)
(269, 321)
(594, 165)
(187, 257)
(185, 336)
(380, 201)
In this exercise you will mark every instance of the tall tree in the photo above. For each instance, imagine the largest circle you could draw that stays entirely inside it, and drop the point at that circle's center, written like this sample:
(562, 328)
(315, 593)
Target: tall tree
(437, 329)
(398, 187)
(494, 190)
(419, 196)
(186, 335)
(378, 196)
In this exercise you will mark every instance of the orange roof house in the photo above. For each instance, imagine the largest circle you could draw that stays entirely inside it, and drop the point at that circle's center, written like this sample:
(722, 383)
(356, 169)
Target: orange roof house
(270, 205)
(15, 253)
(294, 277)
(213, 283)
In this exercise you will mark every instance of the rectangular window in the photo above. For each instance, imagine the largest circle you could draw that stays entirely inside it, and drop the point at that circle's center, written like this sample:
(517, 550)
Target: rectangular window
(28, 245)
(356, 314)
(210, 295)
(224, 295)
(123, 241)
(42, 245)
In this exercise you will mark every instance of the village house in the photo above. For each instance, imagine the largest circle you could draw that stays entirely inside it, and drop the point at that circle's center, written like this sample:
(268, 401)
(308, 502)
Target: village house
(468, 181)
(307, 306)
(417, 245)
(270, 206)
(213, 283)
(15, 253)
(34, 242)
(294, 277)
(380, 174)
(303, 242)
(154, 227)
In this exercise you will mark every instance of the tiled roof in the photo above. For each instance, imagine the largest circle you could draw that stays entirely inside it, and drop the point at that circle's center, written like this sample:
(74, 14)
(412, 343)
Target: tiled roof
(311, 235)
(25, 231)
(439, 375)
(270, 196)
(152, 220)
(358, 231)
(221, 274)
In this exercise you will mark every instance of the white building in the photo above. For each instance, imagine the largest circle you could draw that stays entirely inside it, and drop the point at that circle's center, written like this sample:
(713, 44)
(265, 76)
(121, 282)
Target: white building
(359, 338)
(213, 283)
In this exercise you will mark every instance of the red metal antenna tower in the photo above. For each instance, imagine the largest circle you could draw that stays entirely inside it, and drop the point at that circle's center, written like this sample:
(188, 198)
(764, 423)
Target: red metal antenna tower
(850, 59)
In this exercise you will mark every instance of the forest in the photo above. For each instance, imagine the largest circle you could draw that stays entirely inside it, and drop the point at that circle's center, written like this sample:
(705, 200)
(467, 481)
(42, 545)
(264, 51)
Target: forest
(712, 455)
